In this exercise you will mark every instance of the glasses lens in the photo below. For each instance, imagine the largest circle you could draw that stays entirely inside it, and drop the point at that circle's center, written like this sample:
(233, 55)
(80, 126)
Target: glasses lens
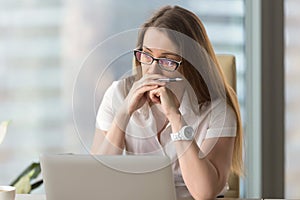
(145, 58)
(137, 55)
(169, 65)
(164, 63)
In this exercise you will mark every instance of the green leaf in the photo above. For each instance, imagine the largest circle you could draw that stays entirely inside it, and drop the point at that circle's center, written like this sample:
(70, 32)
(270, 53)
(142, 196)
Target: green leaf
(22, 182)
(23, 185)
(36, 184)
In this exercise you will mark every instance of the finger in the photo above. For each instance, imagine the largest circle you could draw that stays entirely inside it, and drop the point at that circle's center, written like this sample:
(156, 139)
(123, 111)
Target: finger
(138, 93)
(154, 96)
(154, 99)
(145, 89)
(152, 82)
(165, 95)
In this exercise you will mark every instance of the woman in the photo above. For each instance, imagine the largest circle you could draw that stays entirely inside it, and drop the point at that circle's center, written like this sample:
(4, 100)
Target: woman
(179, 104)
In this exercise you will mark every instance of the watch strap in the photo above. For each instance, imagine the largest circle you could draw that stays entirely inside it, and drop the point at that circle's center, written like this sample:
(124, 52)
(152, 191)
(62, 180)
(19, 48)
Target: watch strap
(180, 135)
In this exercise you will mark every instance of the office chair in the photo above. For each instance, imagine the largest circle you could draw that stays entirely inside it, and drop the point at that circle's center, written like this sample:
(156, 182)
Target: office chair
(228, 65)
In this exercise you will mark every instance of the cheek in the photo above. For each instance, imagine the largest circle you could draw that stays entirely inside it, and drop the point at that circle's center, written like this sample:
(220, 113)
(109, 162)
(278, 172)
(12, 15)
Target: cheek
(144, 69)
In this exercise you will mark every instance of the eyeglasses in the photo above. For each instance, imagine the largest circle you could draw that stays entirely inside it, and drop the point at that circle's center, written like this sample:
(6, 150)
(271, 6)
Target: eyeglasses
(164, 63)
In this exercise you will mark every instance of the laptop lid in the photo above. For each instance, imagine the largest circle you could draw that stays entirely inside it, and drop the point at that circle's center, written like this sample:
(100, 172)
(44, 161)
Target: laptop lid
(77, 177)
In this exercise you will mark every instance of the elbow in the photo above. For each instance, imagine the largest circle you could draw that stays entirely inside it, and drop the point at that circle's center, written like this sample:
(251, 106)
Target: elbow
(205, 195)
(209, 191)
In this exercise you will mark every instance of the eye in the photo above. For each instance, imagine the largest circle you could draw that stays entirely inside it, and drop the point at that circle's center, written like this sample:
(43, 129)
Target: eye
(145, 58)
(167, 63)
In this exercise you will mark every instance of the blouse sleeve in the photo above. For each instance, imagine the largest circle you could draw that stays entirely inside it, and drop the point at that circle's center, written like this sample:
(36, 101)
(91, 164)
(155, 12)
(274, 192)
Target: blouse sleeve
(223, 122)
(106, 111)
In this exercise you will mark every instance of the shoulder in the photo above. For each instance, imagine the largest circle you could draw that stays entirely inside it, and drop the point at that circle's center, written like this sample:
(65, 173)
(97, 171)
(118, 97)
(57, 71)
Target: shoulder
(222, 120)
(120, 87)
(220, 112)
(219, 107)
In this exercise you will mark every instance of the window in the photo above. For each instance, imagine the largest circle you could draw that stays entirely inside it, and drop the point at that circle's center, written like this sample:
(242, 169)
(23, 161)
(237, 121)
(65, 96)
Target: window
(292, 99)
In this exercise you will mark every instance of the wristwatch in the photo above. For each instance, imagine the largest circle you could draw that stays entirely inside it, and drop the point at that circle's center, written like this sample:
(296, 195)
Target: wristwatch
(185, 133)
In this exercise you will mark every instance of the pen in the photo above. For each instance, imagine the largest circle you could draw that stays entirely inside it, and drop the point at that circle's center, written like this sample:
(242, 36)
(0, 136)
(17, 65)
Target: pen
(169, 79)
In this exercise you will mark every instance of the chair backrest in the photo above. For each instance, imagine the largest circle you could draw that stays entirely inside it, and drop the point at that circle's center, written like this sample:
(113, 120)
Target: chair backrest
(228, 65)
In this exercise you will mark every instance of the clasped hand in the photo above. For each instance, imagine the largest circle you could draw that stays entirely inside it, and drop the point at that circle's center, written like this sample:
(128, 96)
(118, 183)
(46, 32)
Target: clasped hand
(149, 89)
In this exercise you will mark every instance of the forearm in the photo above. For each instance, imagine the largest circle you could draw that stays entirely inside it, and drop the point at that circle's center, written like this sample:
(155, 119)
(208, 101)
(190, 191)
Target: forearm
(201, 177)
(113, 141)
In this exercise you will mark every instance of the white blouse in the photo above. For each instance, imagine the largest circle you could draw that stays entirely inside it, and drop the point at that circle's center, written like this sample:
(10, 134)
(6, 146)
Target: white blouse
(215, 119)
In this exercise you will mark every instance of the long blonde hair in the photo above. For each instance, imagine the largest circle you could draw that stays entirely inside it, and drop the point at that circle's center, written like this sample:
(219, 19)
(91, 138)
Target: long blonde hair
(184, 22)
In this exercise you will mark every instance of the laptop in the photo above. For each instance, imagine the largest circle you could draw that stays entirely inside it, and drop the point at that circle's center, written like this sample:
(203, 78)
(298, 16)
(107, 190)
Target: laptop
(114, 177)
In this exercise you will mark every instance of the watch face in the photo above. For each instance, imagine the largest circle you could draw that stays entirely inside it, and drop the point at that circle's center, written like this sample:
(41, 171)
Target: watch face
(189, 132)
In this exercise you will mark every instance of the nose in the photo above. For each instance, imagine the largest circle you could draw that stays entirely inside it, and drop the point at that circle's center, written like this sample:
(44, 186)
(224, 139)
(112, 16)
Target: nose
(154, 68)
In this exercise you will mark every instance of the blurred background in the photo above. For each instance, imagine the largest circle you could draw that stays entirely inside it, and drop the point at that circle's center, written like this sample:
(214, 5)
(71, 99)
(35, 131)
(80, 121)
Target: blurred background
(44, 46)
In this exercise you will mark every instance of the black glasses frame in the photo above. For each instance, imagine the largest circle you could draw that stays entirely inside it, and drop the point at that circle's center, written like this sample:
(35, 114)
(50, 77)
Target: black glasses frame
(178, 63)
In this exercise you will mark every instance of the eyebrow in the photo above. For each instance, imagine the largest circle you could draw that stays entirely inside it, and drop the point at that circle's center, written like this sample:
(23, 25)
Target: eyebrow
(164, 53)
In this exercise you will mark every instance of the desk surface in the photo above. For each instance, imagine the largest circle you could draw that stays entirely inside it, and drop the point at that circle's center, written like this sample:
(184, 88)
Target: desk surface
(30, 197)
(42, 197)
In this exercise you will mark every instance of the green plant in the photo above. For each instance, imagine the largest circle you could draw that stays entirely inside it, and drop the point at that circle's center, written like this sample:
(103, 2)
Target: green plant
(24, 182)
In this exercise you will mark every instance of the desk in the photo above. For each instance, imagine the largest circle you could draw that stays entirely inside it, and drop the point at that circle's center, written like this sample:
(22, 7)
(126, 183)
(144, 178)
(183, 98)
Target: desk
(30, 197)
(43, 197)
